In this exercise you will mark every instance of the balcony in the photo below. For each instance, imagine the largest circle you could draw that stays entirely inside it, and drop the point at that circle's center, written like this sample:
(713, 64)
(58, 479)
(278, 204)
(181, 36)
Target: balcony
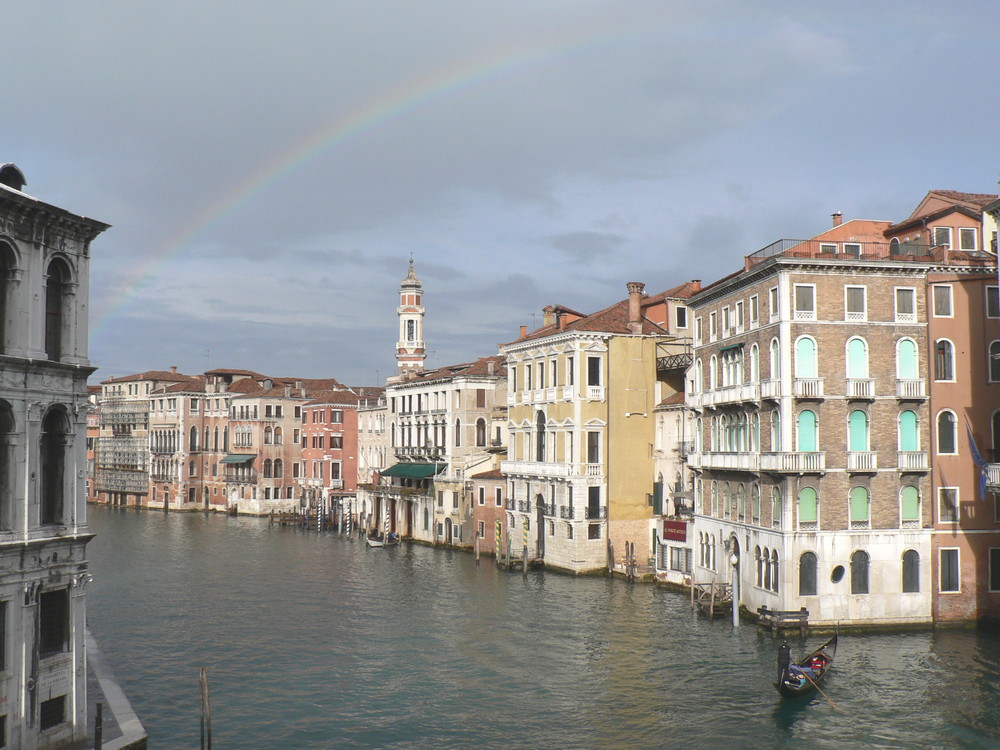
(862, 461)
(567, 393)
(993, 476)
(724, 461)
(593, 514)
(861, 388)
(811, 388)
(734, 394)
(595, 392)
(793, 463)
(911, 389)
(914, 461)
(537, 468)
(567, 512)
(770, 389)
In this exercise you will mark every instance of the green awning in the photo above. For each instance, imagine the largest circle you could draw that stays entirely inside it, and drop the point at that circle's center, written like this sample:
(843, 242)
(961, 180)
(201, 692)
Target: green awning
(413, 471)
(239, 458)
(731, 346)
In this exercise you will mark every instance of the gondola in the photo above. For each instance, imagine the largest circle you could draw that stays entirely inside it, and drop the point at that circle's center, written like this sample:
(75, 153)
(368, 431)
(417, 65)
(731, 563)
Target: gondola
(804, 676)
(378, 540)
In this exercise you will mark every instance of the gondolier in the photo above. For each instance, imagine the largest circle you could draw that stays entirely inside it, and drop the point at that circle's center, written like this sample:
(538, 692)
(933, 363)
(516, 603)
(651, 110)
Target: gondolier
(784, 659)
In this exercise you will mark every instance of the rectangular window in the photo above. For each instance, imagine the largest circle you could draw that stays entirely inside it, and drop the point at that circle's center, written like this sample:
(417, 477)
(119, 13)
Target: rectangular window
(942, 301)
(727, 322)
(754, 311)
(482, 496)
(298, 410)
(295, 470)
(499, 497)
(949, 572)
(527, 377)
(681, 317)
(828, 247)
(697, 331)
(855, 303)
(481, 529)
(772, 303)
(853, 249)
(992, 302)
(593, 370)
(336, 442)
(713, 330)
(335, 470)
(337, 417)
(739, 316)
(805, 302)
(942, 237)
(593, 447)
(593, 531)
(906, 306)
(52, 713)
(53, 622)
(948, 504)
(3, 645)
(994, 568)
(967, 239)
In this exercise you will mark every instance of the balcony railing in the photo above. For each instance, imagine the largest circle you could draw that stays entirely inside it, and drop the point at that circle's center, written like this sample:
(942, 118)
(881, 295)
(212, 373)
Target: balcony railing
(912, 461)
(910, 389)
(567, 512)
(808, 387)
(594, 514)
(861, 388)
(537, 468)
(595, 392)
(993, 476)
(793, 463)
(770, 388)
(725, 460)
(735, 393)
(862, 461)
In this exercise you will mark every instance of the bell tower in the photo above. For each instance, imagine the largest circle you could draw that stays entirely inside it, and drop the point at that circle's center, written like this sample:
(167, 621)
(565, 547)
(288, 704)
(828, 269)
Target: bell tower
(410, 350)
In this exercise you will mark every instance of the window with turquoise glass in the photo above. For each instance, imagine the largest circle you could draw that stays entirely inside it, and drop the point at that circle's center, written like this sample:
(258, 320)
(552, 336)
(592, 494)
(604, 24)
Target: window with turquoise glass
(805, 358)
(908, 431)
(859, 504)
(807, 431)
(857, 359)
(910, 500)
(808, 505)
(906, 359)
(857, 433)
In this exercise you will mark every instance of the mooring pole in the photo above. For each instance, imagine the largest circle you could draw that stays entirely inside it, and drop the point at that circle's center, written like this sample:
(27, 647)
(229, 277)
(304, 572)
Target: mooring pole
(99, 727)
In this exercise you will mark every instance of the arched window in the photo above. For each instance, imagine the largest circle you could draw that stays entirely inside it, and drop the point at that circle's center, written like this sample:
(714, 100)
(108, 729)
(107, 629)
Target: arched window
(906, 359)
(767, 568)
(775, 431)
(277, 436)
(807, 431)
(215, 442)
(908, 434)
(859, 507)
(193, 440)
(715, 499)
(726, 501)
(807, 574)
(481, 432)
(857, 358)
(699, 384)
(805, 357)
(995, 436)
(741, 502)
(755, 503)
(911, 572)
(994, 364)
(54, 446)
(775, 360)
(8, 262)
(279, 468)
(946, 442)
(713, 373)
(776, 506)
(225, 439)
(458, 433)
(540, 436)
(857, 431)
(754, 364)
(894, 246)
(859, 572)
(760, 565)
(7, 434)
(268, 436)
(56, 287)
(774, 571)
(808, 508)
(944, 360)
(909, 507)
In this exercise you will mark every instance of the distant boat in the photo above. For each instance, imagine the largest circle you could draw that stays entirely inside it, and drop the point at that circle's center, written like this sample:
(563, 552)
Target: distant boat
(804, 676)
(376, 539)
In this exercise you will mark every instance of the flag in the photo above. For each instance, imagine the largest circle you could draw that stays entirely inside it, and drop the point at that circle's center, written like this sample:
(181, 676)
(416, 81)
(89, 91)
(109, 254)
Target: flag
(978, 459)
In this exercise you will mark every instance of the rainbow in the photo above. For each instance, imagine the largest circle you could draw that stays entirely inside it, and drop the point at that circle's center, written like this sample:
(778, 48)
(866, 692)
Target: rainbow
(387, 107)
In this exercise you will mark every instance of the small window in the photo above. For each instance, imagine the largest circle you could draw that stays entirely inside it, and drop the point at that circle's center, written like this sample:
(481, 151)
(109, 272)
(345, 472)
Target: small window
(681, 318)
(948, 504)
(593, 371)
(53, 622)
(828, 247)
(754, 312)
(906, 308)
(949, 571)
(855, 303)
(942, 237)
(944, 360)
(52, 713)
(994, 568)
(994, 362)
(942, 301)
(772, 302)
(967, 239)
(852, 249)
(992, 302)
(805, 302)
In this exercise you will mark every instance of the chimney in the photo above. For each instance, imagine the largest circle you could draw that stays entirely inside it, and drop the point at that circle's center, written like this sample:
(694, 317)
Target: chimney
(288, 390)
(173, 369)
(548, 316)
(695, 285)
(489, 367)
(838, 219)
(524, 333)
(634, 304)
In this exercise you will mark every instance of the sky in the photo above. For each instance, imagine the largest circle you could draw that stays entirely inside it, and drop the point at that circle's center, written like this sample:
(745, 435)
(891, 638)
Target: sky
(268, 168)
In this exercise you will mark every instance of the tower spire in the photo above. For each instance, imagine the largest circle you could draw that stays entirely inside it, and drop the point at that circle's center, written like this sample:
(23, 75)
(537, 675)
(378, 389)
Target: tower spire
(410, 349)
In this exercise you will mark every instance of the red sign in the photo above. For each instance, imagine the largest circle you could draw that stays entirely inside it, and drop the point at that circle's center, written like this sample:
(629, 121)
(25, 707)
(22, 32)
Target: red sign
(675, 530)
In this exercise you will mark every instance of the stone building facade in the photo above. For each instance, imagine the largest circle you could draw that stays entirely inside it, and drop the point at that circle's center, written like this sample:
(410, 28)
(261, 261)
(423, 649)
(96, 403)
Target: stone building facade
(44, 365)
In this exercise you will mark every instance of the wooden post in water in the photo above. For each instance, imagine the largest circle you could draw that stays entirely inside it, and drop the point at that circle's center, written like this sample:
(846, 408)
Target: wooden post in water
(477, 549)
(524, 552)
(206, 710)
(99, 727)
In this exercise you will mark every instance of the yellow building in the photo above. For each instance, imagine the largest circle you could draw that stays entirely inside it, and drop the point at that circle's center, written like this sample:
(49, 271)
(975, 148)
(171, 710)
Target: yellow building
(581, 394)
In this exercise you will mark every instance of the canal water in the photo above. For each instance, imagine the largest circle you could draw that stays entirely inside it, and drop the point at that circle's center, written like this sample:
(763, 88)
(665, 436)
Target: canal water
(314, 641)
